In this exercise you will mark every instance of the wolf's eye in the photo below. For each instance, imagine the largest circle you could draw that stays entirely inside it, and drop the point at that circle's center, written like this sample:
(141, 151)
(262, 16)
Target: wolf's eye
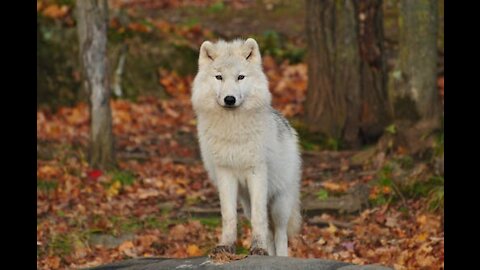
(218, 77)
(241, 77)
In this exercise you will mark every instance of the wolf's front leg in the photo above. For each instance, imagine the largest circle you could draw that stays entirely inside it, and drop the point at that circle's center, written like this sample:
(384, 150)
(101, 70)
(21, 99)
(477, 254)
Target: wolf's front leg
(258, 189)
(227, 189)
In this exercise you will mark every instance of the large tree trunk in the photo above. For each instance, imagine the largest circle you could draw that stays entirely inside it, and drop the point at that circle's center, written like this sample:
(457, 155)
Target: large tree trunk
(346, 97)
(416, 95)
(92, 22)
(376, 111)
(333, 65)
(413, 88)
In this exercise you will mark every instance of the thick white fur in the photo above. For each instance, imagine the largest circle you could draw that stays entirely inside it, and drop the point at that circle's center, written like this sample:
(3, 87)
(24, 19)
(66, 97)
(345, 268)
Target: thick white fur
(247, 152)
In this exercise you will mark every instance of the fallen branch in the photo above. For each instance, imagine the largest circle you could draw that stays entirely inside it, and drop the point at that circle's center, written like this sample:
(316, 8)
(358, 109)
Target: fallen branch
(117, 81)
(325, 222)
(355, 200)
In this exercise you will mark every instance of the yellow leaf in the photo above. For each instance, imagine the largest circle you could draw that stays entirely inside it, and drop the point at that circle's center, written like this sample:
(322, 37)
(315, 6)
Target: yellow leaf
(114, 189)
(193, 250)
(331, 228)
(181, 191)
(48, 171)
(421, 237)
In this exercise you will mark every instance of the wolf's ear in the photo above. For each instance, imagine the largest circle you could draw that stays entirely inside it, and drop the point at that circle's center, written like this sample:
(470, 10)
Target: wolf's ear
(251, 52)
(207, 53)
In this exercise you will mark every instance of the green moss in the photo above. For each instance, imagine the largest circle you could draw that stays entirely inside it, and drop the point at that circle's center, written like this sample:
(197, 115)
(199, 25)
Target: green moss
(131, 225)
(153, 222)
(126, 178)
(212, 222)
(276, 45)
(406, 162)
(384, 179)
(322, 194)
(423, 188)
(315, 141)
(436, 198)
(242, 250)
(57, 61)
(46, 185)
(61, 244)
(216, 7)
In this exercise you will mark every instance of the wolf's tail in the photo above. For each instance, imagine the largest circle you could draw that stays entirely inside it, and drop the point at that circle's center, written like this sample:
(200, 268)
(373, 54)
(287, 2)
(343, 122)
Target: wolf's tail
(295, 221)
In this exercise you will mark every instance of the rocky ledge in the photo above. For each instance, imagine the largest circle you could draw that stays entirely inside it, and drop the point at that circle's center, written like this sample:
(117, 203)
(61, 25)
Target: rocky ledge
(248, 263)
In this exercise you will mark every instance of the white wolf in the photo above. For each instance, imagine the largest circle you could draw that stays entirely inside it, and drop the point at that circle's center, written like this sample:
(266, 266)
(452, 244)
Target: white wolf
(247, 147)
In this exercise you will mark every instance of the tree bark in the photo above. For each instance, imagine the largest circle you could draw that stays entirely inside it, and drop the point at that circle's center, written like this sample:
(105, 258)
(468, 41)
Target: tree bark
(333, 65)
(92, 22)
(346, 97)
(413, 88)
(414, 95)
(376, 112)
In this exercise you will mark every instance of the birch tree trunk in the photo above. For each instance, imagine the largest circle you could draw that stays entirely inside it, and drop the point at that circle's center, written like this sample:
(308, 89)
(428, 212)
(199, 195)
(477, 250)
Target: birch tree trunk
(92, 22)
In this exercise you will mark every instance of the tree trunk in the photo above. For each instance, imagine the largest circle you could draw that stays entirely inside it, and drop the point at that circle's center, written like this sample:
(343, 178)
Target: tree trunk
(376, 112)
(92, 21)
(347, 97)
(413, 88)
(416, 94)
(333, 69)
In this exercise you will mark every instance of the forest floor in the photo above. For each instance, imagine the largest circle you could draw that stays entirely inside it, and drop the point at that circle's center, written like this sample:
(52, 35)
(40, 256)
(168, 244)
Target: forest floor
(160, 203)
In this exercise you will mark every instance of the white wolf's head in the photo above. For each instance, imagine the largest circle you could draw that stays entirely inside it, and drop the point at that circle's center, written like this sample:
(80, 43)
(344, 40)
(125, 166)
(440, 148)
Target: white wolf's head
(230, 77)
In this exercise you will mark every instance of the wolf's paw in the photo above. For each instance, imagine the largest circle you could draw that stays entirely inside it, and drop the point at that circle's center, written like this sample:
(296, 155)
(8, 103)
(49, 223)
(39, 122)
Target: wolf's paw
(222, 249)
(258, 251)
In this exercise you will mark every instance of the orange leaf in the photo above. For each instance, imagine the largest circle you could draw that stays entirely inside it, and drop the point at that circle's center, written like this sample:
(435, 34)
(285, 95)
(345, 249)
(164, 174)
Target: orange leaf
(53, 262)
(335, 187)
(55, 11)
(137, 27)
(127, 248)
(193, 250)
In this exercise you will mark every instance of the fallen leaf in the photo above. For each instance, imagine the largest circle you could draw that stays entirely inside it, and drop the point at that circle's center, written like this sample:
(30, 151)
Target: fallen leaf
(53, 262)
(55, 11)
(127, 248)
(193, 250)
(114, 189)
(331, 228)
(94, 174)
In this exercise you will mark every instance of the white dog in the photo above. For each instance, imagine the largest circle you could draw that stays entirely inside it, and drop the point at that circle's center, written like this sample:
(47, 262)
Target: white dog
(248, 148)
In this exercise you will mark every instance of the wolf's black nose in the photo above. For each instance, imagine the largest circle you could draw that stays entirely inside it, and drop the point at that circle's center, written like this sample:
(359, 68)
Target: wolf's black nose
(229, 100)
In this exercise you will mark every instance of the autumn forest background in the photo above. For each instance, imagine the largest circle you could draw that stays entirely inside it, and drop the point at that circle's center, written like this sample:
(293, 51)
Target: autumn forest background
(361, 81)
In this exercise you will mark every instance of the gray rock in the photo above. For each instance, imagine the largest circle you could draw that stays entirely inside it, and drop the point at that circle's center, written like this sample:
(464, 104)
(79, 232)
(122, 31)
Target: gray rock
(249, 263)
(108, 240)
